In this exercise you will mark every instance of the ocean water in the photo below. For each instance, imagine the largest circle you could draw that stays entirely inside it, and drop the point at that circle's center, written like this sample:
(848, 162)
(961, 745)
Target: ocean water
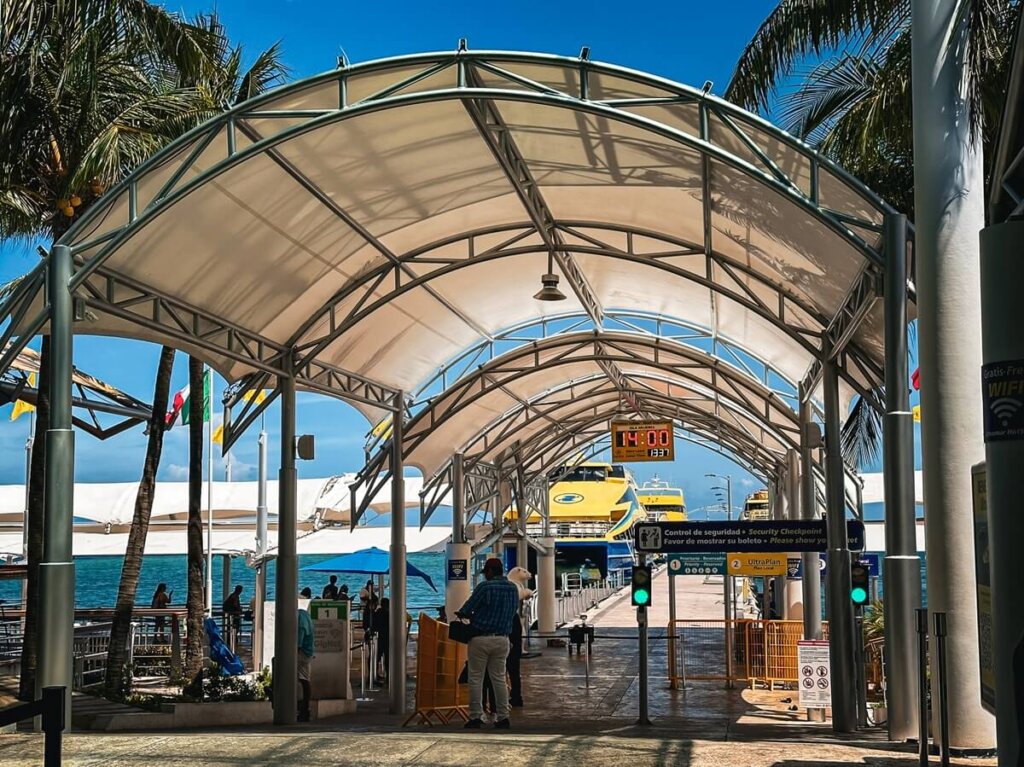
(97, 578)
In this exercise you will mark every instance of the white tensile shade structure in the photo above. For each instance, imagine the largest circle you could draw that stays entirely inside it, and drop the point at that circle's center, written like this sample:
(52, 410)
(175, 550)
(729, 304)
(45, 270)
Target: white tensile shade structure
(357, 232)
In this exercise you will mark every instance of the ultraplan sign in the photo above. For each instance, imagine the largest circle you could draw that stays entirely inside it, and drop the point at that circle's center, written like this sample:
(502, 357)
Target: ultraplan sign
(757, 565)
(814, 672)
(741, 537)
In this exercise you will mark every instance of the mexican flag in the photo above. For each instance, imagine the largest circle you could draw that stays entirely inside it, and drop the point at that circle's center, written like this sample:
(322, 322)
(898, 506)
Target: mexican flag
(180, 402)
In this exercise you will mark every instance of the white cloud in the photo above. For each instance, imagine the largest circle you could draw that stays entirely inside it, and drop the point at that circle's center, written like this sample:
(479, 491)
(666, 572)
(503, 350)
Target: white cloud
(177, 472)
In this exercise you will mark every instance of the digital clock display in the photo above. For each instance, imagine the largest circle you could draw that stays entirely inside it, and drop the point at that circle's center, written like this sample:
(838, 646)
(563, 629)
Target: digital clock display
(642, 441)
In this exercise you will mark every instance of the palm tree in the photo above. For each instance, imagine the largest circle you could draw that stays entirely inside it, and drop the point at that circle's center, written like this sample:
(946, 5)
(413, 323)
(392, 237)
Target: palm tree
(195, 602)
(132, 566)
(84, 100)
(90, 89)
(837, 74)
(219, 82)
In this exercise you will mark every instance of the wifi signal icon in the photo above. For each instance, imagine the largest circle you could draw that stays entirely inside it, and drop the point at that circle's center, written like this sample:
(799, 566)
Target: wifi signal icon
(1004, 408)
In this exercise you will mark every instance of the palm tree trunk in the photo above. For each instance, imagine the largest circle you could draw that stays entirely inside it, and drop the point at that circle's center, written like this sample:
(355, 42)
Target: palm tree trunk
(36, 484)
(128, 588)
(196, 603)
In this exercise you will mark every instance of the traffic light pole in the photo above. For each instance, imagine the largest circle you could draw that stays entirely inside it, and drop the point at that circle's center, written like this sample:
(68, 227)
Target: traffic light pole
(641, 624)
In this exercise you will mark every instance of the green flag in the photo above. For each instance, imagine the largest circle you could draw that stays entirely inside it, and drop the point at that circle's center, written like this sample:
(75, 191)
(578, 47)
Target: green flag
(207, 386)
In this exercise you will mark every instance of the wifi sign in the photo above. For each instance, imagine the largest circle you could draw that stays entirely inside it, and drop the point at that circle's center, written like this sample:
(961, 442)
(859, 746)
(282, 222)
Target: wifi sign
(1003, 392)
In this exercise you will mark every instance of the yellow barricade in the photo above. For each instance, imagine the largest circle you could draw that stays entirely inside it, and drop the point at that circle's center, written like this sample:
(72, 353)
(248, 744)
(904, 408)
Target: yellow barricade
(439, 662)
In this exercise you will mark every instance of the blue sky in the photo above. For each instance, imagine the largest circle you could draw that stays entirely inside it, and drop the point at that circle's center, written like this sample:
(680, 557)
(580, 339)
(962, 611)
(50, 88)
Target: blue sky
(685, 41)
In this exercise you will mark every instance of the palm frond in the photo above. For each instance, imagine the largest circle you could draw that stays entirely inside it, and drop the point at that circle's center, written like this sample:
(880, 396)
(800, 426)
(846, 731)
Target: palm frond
(861, 435)
(800, 28)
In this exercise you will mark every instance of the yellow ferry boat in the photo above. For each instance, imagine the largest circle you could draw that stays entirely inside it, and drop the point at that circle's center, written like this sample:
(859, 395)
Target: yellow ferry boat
(661, 502)
(592, 507)
(756, 506)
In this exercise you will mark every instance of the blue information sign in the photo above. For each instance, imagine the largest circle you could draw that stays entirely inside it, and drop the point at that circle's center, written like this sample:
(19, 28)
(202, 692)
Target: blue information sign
(457, 570)
(873, 559)
(741, 537)
(696, 564)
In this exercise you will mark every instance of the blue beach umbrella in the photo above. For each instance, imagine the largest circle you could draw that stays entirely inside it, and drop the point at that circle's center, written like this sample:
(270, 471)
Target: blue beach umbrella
(371, 561)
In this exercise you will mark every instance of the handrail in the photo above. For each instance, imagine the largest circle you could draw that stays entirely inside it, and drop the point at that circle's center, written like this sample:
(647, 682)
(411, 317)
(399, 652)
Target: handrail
(51, 708)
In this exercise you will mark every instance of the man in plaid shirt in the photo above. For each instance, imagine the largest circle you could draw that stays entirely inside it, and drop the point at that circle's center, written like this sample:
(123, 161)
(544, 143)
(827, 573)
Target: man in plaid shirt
(490, 609)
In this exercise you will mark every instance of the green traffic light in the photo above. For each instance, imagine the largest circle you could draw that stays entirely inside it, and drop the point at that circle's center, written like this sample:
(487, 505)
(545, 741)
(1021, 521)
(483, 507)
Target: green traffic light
(641, 596)
(858, 595)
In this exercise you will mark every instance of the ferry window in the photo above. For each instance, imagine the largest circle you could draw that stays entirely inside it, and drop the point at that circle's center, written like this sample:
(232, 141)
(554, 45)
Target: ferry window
(619, 472)
(584, 474)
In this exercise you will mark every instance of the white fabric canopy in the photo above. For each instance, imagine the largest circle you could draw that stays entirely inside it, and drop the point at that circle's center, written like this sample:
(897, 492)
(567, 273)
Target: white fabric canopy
(874, 487)
(383, 217)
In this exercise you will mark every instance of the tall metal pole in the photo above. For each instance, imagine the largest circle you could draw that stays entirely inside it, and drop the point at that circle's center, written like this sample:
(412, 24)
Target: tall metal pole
(810, 564)
(949, 212)
(840, 608)
(1003, 316)
(901, 569)
(208, 384)
(57, 569)
(728, 598)
(641, 620)
(793, 600)
(396, 658)
(261, 551)
(457, 590)
(286, 597)
(24, 516)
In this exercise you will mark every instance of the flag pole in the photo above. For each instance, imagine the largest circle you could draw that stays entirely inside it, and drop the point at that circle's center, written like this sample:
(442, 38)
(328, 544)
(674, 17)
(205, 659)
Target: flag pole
(24, 519)
(208, 415)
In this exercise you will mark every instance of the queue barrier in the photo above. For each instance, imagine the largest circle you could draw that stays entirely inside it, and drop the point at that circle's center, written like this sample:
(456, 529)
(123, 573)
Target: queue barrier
(764, 651)
(439, 661)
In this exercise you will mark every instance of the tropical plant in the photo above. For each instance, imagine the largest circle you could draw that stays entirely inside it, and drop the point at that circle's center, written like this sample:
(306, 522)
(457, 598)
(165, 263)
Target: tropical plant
(837, 74)
(194, 601)
(132, 565)
(84, 99)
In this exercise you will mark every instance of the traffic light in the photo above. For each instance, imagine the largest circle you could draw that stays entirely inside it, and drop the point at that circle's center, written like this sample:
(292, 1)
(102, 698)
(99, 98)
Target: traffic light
(640, 586)
(860, 583)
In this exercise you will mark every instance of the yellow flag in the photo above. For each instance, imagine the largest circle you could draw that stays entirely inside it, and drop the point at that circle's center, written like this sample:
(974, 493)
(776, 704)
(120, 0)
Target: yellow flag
(917, 413)
(218, 435)
(383, 429)
(20, 406)
(258, 395)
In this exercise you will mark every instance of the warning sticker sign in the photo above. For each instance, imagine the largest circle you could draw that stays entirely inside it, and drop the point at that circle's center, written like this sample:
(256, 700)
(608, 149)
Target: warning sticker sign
(815, 673)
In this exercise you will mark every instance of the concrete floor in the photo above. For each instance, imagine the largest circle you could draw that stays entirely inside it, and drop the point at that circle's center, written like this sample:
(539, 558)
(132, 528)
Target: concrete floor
(567, 721)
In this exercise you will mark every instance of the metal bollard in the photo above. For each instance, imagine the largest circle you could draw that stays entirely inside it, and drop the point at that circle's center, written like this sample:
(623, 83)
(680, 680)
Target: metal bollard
(940, 648)
(53, 725)
(586, 646)
(922, 692)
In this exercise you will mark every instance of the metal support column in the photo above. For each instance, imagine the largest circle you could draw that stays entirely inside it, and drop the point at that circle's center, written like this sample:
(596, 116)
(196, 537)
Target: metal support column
(902, 569)
(794, 606)
(456, 591)
(57, 569)
(261, 550)
(1003, 315)
(949, 199)
(840, 608)
(729, 599)
(810, 564)
(286, 597)
(396, 652)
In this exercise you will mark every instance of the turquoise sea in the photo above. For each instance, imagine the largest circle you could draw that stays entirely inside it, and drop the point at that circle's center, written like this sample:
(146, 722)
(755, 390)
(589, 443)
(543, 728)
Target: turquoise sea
(97, 578)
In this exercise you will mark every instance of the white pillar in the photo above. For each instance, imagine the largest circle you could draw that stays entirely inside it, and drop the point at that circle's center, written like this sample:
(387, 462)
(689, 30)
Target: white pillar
(456, 592)
(546, 588)
(793, 602)
(949, 199)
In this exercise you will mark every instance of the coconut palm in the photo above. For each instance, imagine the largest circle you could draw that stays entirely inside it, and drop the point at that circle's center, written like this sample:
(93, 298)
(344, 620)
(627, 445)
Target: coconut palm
(217, 83)
(194, 601)
(90, 89)
(837, 74)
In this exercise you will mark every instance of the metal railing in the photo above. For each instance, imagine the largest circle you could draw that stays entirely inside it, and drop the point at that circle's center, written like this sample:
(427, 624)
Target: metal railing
(50, 708)
(571, 602)
(764, 651)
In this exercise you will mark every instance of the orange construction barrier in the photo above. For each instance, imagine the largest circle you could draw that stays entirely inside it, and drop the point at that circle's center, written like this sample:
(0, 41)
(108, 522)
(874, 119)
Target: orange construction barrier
(439, 662)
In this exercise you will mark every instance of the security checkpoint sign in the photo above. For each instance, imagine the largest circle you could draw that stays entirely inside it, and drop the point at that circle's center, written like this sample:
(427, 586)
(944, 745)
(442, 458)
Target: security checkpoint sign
(814, 673)
(741, 537)
(756, 565)
(696, 564)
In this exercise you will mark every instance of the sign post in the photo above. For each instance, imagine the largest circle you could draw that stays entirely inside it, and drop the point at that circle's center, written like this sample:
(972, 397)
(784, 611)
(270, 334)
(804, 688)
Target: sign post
(815, 672)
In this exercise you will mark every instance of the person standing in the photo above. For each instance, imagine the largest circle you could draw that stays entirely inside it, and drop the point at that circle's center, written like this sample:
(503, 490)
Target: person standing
(161, 598)
(331, 589)
(305, 655)
(232, 608)
(491, 610)
(382, 630)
